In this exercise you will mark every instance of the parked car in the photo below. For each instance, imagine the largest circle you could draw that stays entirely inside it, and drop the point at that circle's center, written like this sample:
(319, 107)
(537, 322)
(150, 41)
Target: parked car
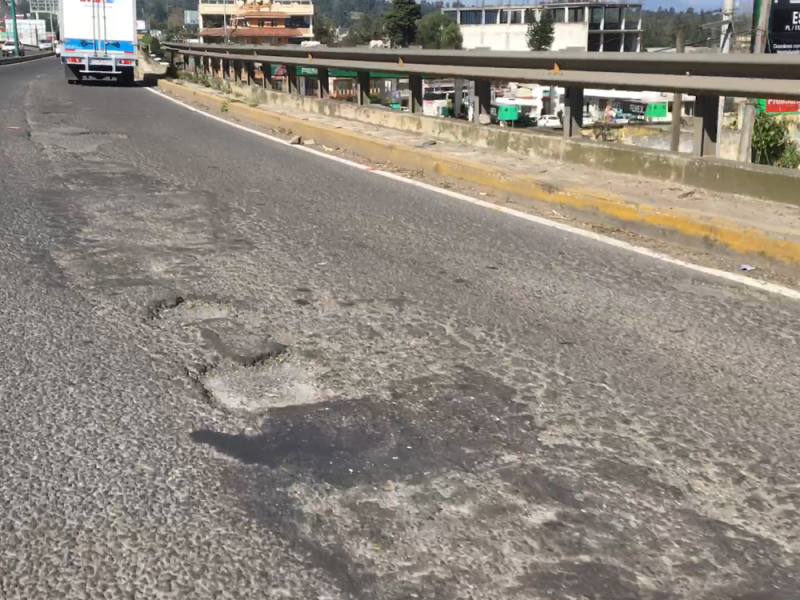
(45, 46)
(551, 121)
(8, 49)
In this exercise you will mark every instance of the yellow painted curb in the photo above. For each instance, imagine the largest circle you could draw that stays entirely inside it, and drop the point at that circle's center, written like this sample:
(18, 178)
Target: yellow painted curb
(735, 237)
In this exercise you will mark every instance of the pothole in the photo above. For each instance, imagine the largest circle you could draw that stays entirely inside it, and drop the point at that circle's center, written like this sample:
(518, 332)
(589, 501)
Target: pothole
(243, 370)
(259, 388)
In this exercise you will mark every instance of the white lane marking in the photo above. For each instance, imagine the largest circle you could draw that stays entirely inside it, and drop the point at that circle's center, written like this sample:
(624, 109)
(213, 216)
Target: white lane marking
(771, 288)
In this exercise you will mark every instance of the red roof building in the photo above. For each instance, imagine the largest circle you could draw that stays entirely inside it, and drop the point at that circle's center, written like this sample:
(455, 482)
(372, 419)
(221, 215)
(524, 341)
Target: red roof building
(279, 22)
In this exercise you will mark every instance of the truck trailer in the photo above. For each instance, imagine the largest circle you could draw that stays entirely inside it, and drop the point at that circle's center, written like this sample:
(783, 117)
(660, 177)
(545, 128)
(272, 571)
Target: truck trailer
(98, 39)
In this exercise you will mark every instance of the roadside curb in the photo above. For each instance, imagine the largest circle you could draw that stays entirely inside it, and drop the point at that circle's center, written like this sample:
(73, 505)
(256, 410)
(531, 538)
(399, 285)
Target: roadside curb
(23, 59)
(594, 205)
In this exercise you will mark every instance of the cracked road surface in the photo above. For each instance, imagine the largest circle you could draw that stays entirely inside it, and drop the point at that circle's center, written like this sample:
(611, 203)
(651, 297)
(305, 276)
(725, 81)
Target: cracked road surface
(232, 369)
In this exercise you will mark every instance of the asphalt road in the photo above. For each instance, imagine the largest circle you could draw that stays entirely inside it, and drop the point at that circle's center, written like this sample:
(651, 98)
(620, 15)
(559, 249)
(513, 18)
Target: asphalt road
(236, 370)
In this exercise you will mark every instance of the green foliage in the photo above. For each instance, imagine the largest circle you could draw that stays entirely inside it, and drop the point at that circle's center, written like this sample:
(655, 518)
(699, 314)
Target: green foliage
(541, 33)
(439, 32)
(773, 143)
(367, 28)
(324, 30)
(400, 22)
(345, 13)
(660, 27)
(155, 46)
(156, 13)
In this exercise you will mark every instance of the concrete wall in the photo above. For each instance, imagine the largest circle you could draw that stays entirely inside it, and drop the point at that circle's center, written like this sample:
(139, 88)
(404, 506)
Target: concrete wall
(767, 183)
(515, 37)
(658, 139)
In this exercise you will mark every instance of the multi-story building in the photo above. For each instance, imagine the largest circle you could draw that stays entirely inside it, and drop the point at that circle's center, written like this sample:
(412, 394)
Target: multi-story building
(595, 26)
(256, 21)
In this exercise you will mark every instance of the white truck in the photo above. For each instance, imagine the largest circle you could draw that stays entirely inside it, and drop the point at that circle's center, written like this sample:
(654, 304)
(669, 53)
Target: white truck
(98, 39)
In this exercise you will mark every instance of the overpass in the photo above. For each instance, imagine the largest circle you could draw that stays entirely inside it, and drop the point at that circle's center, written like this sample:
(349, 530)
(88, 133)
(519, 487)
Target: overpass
(237, 366)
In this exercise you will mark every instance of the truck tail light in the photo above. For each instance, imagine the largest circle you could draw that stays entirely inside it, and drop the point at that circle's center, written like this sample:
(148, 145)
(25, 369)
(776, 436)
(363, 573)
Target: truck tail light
(125, 61)
(74, 60)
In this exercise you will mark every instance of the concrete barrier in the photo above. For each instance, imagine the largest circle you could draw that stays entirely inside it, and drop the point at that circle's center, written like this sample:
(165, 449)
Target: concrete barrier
(22, 59)
(757, 181)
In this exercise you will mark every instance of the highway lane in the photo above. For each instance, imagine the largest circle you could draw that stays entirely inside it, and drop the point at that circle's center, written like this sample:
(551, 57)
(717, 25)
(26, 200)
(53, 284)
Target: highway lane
(237, 370)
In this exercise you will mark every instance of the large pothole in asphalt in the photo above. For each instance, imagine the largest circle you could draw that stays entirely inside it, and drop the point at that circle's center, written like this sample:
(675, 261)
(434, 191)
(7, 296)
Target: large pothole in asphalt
(258, 388)
(245, 370)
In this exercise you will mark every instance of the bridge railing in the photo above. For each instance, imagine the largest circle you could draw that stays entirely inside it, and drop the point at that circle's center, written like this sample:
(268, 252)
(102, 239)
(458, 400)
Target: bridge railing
(705, 76)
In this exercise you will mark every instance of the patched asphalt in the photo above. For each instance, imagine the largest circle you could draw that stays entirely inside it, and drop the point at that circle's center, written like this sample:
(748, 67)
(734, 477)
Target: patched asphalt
(232, 369)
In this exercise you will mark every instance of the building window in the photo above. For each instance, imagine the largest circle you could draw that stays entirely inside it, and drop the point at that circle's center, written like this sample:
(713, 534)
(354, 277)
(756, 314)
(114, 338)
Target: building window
(630, 42)
(576, 15)
(451, 14)
(471, 17)
(296, 22)
(556, 15)
(632, 17)
(612, 18)
(612, 42)
(595, 17)
(490, 17)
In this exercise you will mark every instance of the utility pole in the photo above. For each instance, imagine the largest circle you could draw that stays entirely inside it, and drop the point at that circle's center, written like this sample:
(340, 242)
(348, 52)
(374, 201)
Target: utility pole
(677, 100)
(758, 43)
(728, 13)
(12, 3)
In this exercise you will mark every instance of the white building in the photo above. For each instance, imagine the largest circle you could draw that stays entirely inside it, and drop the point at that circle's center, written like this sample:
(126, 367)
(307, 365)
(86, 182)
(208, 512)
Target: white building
(606, 26)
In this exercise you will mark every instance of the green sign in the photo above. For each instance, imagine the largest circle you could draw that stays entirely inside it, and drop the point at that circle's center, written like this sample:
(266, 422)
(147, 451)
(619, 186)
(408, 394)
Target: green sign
(656, 110)
(280, 71)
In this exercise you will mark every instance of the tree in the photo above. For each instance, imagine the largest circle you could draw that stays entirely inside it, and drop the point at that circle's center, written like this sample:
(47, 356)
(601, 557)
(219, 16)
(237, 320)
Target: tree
(400, 22)
(324, 30)
(773, 143)
(437, 31)
(540, 33)
(366, 29)
(175, 18)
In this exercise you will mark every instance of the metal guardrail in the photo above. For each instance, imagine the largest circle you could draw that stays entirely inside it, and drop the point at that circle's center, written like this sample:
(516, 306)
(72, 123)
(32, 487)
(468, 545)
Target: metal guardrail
(706, 76)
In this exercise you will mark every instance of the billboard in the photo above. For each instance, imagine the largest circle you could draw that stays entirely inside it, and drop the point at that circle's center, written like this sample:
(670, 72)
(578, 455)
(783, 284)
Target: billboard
(778, 107)
(784, 27)
(30, 31)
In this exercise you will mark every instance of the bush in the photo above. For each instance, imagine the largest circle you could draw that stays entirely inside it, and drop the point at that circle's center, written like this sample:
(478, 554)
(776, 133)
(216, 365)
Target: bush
(773, 143)
(155, 47)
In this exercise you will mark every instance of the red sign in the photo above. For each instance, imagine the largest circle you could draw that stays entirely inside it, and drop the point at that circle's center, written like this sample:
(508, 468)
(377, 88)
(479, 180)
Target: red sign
(782, 106)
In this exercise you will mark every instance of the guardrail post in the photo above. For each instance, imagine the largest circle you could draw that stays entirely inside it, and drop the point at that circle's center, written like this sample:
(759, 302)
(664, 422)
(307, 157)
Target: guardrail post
(483, 101)
(706, 115)
(204, 61)
(323, 76)
(415, 89)
(458, 97)
(226, 68)
(266, 75)
(363, 87)
(291, 78)
(237, 71)
(251, 73)
(573, 112)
